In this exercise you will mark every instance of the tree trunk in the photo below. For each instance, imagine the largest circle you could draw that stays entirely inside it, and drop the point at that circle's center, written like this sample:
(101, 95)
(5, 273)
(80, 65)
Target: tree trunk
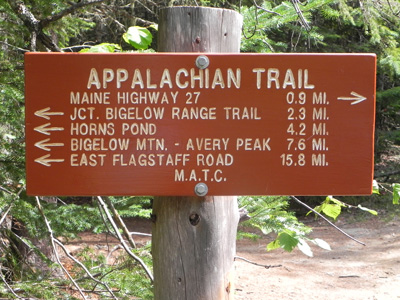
(194, 238)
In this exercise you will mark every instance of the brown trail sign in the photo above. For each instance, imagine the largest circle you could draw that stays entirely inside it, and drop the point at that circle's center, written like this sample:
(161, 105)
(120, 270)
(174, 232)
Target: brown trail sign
(265, 124)
(186, 124)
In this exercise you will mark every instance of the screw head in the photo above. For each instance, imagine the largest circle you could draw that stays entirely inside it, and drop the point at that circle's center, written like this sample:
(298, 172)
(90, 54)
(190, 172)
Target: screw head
(201, 189)
(202, 62)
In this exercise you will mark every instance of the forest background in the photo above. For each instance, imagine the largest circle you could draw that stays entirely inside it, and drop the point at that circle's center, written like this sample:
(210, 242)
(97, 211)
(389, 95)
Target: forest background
(32, 228)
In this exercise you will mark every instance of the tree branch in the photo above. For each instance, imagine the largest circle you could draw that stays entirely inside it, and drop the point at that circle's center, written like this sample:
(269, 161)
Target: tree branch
(122, 241)
(257, 264)
(9, 287)
(52, 239)
(15, 47)
(85, 269)
(45, 22)
(34, 26)
(329, 222)
(5, 214)
(266, 10)
(121, 223)
(303, 20)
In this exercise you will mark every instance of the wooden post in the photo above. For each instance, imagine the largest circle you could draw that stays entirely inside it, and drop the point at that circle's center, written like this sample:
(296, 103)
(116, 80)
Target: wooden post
(194, 238)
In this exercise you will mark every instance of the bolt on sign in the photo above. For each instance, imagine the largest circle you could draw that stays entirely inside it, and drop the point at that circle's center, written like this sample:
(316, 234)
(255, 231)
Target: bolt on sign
(216, 124)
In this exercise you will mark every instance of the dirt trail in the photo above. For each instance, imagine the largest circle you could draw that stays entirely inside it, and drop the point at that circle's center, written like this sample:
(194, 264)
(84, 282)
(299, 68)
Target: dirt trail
(349, 271)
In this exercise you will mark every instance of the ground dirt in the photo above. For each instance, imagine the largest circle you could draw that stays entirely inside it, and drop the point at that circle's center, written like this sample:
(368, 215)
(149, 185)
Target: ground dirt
(348, 271)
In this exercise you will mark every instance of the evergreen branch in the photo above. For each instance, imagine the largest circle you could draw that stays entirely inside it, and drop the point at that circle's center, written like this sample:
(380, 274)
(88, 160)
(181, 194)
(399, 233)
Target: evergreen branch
(84, 268)
(5, 190)
(52, 239)
(5, 214)
(326, 219)
(121, 223)
(9, 287)
(46, 22)
(11, 203)
(108, 231)
(33, 25)
(15, 47)
(303, 20)
(391, 8)
(266, 10)
(122, 241)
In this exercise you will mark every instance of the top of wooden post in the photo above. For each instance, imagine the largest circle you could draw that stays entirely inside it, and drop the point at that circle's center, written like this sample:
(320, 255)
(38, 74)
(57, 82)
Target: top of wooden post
(199, 29)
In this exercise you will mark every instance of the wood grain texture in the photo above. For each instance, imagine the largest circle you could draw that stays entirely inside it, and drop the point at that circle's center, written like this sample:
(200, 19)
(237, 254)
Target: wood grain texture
(194, 238)
(194, 244)
(199, 29)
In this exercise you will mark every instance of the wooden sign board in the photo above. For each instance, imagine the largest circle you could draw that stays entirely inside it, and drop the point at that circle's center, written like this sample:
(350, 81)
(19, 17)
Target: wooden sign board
(157, 124)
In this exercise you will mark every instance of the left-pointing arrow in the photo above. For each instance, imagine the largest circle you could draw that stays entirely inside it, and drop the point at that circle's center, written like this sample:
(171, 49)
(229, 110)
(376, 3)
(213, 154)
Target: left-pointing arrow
(44, 145)
(45, 129)
(46, 113)
(46, 161)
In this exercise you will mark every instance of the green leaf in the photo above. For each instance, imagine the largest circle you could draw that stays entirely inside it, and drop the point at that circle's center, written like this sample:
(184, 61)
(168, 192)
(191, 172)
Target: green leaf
(317, 209)
(287, 240)
(322, 244)
(331, 210)
(371, 211)
(375, 187)
(154, 26)
(396, 193)
(305, 248)
(138, 37)
(273, 245)
(334, 200)
(102, 48)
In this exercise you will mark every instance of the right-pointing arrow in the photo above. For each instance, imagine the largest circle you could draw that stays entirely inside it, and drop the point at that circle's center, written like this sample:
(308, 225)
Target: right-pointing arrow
(46, 161)
(357, 98)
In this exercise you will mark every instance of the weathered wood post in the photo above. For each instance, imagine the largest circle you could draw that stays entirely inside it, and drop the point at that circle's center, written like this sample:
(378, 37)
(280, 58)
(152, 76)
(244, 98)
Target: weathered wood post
(194, 238)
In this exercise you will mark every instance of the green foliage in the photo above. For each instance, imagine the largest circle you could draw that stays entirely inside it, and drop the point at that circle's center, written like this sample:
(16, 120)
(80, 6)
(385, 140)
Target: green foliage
(335, 26)
(388, 107)
(69, 220)
(38, 289)
(371, 211)
(138, 37)
(69, 28)
(396, 193)
(270, 214)
(102, 48)
(332, 207)
(125, 276)
(289, 240)
(131, 207)
(12, 137)
(286, 239)
(375, 187)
